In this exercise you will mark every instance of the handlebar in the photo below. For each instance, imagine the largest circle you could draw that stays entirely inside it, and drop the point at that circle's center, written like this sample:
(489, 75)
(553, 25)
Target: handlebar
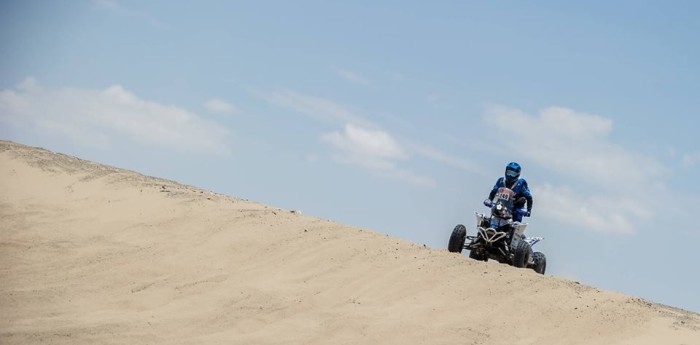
(522, 211)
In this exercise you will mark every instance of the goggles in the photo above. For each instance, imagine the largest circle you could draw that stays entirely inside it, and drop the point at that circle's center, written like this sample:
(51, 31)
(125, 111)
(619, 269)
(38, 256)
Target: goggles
(511, 173)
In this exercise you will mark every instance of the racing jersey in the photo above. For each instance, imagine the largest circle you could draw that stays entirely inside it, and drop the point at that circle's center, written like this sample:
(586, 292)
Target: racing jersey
(520, 188)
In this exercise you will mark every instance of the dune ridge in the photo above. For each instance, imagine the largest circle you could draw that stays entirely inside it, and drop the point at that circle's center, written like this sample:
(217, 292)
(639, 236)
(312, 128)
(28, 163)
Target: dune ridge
(92, 254)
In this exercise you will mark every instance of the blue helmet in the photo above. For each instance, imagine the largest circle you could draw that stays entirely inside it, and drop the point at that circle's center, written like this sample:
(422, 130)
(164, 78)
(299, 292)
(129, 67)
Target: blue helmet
(512, 172)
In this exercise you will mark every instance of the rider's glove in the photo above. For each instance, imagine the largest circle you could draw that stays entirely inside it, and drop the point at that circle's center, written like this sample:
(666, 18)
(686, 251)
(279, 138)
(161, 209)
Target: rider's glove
(527, 213)
(488, 203)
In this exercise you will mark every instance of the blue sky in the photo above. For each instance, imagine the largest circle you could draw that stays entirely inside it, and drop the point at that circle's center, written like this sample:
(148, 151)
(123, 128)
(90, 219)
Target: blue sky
(396, 116)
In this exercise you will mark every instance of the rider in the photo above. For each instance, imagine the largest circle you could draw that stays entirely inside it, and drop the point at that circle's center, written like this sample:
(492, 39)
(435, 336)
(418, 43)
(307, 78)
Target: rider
(518, 185)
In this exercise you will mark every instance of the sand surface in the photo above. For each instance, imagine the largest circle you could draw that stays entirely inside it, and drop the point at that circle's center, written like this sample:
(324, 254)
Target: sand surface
(92, 254)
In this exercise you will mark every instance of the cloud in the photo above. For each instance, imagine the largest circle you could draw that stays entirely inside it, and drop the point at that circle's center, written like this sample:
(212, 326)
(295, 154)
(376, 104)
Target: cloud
(447, 159)
(599, 213)
(374, 150)
(608, 186)
(219, 106)
(94, 116)
(352, 77)
(575, 144)
(317, 108)
(364, 143)
(691, 159)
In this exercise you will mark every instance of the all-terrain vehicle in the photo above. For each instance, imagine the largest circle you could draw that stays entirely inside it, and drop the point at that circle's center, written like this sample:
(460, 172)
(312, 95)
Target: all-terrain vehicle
(499, 237)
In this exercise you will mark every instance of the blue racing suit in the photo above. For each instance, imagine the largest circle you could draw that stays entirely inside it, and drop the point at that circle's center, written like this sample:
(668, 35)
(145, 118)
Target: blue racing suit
(521, 190)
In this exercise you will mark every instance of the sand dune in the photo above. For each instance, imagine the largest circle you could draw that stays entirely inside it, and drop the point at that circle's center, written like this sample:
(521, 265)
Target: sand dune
(91, 254)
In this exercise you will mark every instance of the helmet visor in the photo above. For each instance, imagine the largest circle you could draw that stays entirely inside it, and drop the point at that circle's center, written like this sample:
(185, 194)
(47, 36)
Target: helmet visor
(511, 173)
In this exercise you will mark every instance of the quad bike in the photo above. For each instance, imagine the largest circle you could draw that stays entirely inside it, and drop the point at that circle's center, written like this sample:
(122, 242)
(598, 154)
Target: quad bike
(499, 237)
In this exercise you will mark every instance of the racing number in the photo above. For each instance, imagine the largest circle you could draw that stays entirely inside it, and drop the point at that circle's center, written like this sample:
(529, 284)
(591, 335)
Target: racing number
(504, 194)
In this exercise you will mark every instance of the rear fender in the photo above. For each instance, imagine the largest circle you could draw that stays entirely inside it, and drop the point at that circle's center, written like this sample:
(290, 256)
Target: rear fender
(532, 240)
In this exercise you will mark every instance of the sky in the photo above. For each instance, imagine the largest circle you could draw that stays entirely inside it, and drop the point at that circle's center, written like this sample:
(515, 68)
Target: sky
(393, 116)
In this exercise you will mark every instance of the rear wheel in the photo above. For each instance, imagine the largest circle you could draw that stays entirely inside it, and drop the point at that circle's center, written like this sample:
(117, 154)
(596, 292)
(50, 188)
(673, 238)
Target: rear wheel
(459, 234)
(540, 262)
(521, 254)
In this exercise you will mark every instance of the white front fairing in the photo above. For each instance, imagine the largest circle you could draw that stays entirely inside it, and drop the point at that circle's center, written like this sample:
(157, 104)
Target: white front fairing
(495, 223)
(479, 218)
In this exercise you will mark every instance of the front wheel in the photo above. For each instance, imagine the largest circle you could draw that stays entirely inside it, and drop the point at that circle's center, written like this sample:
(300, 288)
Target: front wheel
(521, 254)
(540, 262)
(459, 234)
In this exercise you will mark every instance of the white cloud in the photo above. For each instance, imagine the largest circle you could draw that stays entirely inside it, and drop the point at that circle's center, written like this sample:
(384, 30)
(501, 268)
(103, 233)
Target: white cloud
(364, 143)
(576, 144)
(93, 116)
(317, 108)
(599, 213)
(371, 143)
(29, 84)
(608, 186)
(449, 160)
(691, 159)
(374, 150)
(352, 77)
(219, 106)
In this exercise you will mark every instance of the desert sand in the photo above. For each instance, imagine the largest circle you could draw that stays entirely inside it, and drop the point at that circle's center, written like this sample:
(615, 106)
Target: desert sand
(92, 254)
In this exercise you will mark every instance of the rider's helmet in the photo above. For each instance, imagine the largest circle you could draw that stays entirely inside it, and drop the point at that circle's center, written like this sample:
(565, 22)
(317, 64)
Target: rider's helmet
(512, 172)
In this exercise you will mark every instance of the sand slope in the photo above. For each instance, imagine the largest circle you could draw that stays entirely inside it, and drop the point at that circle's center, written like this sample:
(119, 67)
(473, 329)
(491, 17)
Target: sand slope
(91, 254)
